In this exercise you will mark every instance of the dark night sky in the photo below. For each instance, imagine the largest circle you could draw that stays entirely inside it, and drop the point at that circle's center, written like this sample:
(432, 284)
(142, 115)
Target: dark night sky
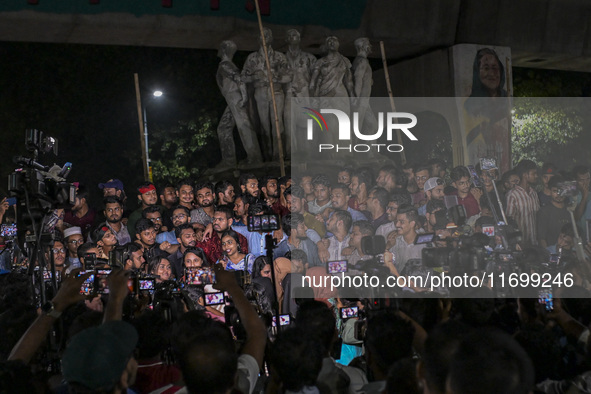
(85, 96)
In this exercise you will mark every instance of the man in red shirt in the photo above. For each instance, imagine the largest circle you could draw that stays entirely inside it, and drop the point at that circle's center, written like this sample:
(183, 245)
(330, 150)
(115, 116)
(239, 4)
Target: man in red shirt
(222, 220)
(460, 179)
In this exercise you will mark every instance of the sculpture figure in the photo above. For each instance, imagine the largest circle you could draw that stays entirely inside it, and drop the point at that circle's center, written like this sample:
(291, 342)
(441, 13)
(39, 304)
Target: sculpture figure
(332, 82)
(299, 68)
(234, 91)
(362, 77)
(255, 72)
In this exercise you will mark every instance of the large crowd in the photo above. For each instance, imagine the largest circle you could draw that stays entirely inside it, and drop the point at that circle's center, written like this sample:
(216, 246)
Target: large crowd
(183, 295)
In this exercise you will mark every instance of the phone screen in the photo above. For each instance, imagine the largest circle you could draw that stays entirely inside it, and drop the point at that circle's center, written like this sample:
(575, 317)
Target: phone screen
(350, 312)
(199, 276)
(88, 285)
(284, 320)
(214, 298)
(336, 267)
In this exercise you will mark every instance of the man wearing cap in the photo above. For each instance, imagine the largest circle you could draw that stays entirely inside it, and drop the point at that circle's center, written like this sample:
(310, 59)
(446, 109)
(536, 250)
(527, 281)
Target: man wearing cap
(113, 187)
(434, 191)
(114, 214)
(147, 197)
(100, 359)
(73, 238)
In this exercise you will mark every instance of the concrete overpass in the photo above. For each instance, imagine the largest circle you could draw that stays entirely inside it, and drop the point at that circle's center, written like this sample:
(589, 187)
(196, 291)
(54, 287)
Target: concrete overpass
(553, 34)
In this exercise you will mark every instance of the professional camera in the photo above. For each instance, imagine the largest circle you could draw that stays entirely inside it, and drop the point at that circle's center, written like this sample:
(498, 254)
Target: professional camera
(39, 189)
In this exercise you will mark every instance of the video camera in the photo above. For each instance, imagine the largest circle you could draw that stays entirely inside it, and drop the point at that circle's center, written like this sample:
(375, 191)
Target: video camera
(39, 189)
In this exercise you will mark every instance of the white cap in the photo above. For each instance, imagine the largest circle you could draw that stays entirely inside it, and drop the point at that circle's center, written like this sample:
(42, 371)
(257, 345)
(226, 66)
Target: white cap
(71, 231)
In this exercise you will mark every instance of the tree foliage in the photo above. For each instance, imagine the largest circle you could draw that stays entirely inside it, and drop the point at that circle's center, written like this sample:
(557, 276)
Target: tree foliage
(185, 150)
(546, 129)
(543, 128)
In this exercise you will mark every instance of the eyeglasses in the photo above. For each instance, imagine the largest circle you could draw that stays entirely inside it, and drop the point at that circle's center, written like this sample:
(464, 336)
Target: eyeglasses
(76, 241)
(422, 178)
(179, 216)
(60, 250)
(156, 219)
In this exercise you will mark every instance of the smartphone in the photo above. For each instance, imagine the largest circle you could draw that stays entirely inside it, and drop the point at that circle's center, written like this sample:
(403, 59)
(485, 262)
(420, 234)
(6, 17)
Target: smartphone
(214, 298)
(336, 267)
(425, 238)
(89, 261)
(263, 223)
(350, 312)
(546, 299)
(47, 275)
(101, 281)
(147, 284)
(284, 320)
(87, 287)
(8, 230)
(488, 230)
(199, 276)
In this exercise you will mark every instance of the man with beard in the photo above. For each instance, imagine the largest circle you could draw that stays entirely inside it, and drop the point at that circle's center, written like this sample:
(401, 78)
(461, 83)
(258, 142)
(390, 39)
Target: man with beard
(294, 227)
(205, 198)
(146, 235)
(405, 248)
(81, 215)
(271, 193)
(241, 203)
(147, 196)
(249, 184)
(388, 178)
(59, 255)
(361, 182)
(434, 191)
(222, 220)
(168, 200)
(163, 238)
(114, 213)
(551, 217)
(186, 238)
(224, 192)
(105, 240)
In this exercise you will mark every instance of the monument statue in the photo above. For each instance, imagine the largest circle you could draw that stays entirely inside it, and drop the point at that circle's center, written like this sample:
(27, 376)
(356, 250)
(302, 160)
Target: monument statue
(299, 68)
(362, 78)
(234, 91)
(332, 82)
(255, 73)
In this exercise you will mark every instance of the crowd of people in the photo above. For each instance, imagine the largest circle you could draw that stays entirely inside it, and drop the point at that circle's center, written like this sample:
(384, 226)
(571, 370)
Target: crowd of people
(136, 306)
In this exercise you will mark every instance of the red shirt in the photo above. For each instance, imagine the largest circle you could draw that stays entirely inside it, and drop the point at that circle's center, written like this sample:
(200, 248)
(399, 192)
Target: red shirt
(469, 202)
(213, 247)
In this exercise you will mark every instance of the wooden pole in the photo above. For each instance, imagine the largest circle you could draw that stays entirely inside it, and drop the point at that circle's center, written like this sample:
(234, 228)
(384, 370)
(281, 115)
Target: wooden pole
(270, 77)
(140, 116)
(389, 87)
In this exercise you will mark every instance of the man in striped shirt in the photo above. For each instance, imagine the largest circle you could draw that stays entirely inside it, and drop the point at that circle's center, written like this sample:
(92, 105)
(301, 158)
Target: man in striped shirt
(523, 202)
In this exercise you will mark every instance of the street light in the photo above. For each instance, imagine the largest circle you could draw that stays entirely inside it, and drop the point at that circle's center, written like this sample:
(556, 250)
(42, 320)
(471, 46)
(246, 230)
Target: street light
(143, 123)
(156, 94)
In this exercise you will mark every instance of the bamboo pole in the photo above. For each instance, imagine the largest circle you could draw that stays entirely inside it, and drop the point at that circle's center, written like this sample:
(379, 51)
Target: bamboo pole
(389, 87)
(140, 116)
(270, 76)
